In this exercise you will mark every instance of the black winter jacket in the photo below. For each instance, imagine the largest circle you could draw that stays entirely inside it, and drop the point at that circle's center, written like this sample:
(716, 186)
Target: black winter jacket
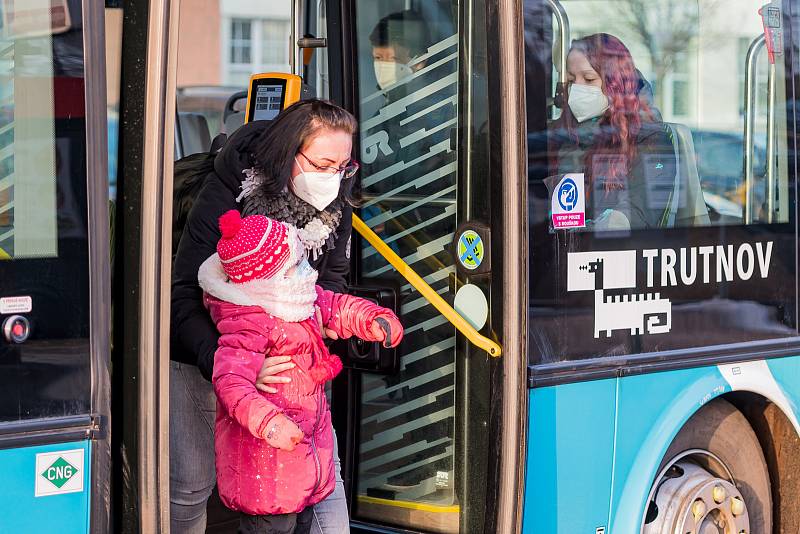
(193, 336)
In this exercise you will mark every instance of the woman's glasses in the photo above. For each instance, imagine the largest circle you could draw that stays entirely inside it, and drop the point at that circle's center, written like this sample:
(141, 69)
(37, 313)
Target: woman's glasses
(349, 169)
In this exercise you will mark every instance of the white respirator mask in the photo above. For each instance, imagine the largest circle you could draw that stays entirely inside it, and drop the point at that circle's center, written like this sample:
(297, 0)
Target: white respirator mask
(389, 73)
(586, 101)
(316, 188)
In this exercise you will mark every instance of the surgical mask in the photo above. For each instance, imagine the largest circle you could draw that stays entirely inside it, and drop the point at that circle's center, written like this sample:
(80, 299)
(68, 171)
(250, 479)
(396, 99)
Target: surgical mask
(316, 188)
(586, 101)
(389, 73)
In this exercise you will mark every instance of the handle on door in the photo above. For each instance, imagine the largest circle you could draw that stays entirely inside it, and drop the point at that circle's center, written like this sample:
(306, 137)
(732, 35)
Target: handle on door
(425, 290)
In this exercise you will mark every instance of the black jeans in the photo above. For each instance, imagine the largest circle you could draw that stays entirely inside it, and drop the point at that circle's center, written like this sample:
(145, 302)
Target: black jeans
(299, 523)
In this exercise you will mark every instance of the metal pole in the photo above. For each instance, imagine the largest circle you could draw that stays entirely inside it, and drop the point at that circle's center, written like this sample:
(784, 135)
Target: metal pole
(562, 20)
(100, 269)
(295, 52)
(293, 39)
(515, 246)
(771, 175)
(750, 84)
(155, 266)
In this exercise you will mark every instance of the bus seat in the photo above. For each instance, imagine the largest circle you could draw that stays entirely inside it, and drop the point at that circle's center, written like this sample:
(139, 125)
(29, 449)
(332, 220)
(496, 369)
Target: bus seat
(686, 205)
(194, 133)
(233, 122)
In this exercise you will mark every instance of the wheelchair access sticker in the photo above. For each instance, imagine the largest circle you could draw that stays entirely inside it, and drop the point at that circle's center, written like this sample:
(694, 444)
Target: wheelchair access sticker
(568, 203)
(470, 249)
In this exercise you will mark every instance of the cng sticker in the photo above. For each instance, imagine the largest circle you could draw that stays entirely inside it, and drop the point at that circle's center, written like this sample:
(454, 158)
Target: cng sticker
(59, 472)
(470, 249)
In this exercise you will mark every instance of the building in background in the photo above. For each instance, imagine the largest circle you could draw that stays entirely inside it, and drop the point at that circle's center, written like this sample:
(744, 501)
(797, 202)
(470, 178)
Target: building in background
(245, 36)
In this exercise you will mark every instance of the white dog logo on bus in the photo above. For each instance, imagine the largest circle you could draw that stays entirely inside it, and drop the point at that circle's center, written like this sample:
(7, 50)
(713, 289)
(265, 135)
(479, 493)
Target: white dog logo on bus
(612, 274)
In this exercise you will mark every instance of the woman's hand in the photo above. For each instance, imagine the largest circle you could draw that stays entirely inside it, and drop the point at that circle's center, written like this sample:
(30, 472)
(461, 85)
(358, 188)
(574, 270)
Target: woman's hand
(282, 433)
(326, 333)
(272, 366)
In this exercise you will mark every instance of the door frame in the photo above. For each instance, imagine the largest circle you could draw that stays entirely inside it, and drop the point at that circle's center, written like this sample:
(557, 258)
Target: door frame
(94, 54)
(508, 53)
(143, 266)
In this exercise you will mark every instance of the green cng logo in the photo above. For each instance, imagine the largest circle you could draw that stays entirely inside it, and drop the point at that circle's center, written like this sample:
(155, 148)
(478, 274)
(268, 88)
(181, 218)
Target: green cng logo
(59, 472)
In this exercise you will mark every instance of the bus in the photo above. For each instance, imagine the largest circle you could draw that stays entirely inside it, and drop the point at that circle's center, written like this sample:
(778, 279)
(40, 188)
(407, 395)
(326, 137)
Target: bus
(558, 374)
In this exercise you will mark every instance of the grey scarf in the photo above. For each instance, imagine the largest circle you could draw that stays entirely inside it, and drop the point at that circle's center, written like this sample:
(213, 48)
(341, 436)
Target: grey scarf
(317, 229)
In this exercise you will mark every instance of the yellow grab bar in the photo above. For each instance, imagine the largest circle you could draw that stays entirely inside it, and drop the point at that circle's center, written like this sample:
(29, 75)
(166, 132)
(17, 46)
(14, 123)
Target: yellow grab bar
(425, 290)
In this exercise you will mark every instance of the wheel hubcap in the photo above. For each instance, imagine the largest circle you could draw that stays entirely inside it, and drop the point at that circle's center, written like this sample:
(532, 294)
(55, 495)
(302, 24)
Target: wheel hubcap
(689, 499)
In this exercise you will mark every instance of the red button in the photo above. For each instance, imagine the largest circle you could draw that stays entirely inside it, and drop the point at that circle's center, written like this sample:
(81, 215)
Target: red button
(18, 330)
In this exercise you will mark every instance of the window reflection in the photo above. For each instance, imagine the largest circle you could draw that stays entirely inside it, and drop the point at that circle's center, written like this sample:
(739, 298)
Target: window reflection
(665, 146)
(408, 89)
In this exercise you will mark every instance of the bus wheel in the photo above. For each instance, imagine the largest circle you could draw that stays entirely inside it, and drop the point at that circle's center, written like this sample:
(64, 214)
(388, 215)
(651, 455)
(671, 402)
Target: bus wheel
(714, 478)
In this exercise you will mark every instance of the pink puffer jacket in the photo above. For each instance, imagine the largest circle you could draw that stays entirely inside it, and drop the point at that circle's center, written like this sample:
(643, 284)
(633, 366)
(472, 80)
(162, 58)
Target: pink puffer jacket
(252, 476)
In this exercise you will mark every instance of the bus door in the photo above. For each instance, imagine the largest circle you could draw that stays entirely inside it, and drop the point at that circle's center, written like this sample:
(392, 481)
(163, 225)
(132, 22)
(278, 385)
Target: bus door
(417, 428)
(54, 269)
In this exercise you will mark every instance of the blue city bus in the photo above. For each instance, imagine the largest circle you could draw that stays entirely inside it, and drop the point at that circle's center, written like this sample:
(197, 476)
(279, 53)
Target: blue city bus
(617, 375)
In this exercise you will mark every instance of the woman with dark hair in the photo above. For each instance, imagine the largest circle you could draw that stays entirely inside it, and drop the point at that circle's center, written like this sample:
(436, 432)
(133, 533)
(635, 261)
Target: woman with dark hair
(610, 132)
(297, 169)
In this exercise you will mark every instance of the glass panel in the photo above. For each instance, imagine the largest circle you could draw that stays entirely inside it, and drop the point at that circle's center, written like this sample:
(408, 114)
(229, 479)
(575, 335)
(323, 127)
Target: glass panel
(315, 72)
(275, 44)
(43, 227)
(240, 39)
(662, 208)
(408, 82)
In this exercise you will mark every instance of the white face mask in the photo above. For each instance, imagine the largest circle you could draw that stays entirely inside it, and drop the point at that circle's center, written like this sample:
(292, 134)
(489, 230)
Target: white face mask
(317, 188)
(389, 73)
(586, 101)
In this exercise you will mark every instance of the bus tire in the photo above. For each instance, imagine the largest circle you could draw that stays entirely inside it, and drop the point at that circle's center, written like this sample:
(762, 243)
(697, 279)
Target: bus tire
(721, 429)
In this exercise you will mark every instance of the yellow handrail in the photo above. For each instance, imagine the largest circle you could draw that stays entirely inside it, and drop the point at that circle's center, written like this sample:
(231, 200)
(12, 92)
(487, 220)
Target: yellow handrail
(425, 290)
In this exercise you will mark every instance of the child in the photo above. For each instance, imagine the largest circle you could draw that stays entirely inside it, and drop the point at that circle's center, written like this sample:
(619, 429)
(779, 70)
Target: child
(274, 451)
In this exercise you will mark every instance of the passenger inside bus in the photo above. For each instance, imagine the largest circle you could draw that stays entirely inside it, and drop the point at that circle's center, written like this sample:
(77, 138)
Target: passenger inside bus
(634, 174)
(396, 40)
(400, 45)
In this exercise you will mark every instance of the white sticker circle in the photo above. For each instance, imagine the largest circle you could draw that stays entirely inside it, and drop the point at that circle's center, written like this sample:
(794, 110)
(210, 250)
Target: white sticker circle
(471, 304)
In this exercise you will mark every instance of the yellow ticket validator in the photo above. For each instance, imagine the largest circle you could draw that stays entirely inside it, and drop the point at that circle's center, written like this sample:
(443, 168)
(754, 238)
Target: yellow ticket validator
(269, 93)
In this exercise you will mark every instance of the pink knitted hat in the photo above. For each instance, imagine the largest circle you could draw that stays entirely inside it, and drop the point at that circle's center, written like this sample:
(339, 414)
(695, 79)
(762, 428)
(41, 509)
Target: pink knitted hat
(252, 248)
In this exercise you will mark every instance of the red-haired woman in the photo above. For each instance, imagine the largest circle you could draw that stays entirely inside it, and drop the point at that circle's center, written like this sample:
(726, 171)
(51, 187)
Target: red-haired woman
(611, 133)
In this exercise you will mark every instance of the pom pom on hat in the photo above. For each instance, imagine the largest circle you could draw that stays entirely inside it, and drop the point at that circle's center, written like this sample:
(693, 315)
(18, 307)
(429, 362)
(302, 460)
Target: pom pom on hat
(229, 224)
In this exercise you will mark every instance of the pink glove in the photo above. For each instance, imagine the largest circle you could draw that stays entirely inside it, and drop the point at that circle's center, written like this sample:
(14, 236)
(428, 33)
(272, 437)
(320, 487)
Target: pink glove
(282, 433)
(387, 329)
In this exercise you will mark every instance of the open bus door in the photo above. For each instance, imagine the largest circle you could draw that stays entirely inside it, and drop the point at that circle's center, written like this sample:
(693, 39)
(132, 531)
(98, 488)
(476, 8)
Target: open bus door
(422, 443)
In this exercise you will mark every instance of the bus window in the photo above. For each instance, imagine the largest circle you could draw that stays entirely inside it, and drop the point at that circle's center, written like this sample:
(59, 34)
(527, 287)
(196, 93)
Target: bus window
(408, 92)
(661, 186)
(44, 247)
(240, 39)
